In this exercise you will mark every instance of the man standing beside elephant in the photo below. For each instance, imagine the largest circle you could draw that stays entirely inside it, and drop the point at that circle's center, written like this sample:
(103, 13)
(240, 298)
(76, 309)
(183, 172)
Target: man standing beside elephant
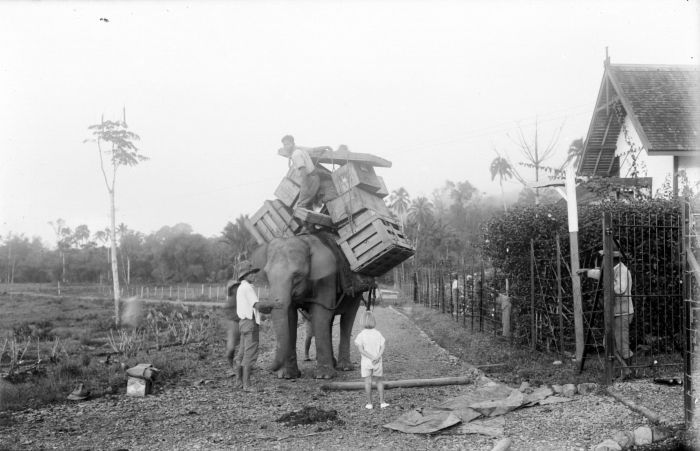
(248, 308)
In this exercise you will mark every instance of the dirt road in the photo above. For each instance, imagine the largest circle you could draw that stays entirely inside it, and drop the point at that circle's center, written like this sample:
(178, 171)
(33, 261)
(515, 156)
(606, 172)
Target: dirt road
(206, 413)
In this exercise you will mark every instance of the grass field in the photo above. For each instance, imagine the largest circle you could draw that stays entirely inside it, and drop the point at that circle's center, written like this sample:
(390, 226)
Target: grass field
(49, 344)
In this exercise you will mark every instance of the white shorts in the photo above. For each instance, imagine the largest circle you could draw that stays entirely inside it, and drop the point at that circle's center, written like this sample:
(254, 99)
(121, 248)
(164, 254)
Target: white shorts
(372, 370)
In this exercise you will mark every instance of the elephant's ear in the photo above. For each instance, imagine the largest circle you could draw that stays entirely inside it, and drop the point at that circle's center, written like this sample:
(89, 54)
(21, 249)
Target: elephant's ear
(322, 259)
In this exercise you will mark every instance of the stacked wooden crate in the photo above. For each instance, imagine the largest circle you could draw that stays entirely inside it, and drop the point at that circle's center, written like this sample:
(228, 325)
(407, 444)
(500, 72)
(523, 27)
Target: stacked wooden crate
(353, 196)
(288, 189)
(273, 220)
(370, 238)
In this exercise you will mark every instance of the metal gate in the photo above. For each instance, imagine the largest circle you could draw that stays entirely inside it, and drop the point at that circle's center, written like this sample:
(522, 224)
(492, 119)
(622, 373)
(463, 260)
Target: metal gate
(638, 332)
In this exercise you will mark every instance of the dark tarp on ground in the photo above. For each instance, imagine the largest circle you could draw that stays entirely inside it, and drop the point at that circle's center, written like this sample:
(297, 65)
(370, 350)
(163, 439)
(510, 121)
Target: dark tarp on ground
(475, 411)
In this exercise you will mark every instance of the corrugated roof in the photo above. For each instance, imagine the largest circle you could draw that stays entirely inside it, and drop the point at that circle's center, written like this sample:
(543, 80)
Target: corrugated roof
(663, 103)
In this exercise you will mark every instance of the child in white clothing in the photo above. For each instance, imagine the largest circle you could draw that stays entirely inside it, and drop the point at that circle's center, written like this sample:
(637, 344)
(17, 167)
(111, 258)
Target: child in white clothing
(370, 343)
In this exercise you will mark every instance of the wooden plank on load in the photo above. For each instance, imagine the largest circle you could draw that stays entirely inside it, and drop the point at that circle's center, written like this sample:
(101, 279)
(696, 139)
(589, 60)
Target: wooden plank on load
(340, 157)
(313, 217)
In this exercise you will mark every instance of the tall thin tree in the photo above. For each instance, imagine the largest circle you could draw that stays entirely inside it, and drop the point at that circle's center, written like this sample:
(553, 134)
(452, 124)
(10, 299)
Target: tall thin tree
(115, 144)
(399, 201)
(501, 168)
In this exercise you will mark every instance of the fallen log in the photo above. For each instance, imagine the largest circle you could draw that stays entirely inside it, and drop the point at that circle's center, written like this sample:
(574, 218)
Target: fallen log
(360, 385)
(490, 365)
(649, 414)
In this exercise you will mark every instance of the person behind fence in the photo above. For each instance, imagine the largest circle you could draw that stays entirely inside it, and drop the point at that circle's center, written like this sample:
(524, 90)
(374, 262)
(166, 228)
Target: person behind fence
(455, 293)
(624, 308)
(248, 308)
(370, 343)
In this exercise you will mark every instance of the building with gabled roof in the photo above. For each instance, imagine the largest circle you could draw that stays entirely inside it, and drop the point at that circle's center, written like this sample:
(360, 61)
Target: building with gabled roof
(646, 123)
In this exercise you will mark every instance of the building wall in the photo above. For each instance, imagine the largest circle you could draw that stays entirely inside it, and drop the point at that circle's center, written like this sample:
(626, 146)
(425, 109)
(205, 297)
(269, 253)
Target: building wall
(691, 165)
(659, 168)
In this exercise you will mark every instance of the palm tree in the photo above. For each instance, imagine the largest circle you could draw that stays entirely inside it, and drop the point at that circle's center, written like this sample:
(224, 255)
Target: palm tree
(501, 167)
(420, 213)
(399, 202)
(237, 236)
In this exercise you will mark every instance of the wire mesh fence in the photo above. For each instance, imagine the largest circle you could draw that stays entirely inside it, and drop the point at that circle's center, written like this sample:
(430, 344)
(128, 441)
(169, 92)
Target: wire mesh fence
(691, 279)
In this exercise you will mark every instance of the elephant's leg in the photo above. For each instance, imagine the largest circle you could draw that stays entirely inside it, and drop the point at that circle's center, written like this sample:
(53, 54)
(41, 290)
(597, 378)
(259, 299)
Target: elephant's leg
(330, 334)
(322, 318)
(290, 369)
(347, 320)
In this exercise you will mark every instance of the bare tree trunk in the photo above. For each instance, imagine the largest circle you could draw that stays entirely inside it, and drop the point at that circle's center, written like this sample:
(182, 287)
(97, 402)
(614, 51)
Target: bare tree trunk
(63, 267)
(503, 196)
(115, 267)
(9, 260)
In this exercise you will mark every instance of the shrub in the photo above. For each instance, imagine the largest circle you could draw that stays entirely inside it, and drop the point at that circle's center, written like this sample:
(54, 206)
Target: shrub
(647, 232)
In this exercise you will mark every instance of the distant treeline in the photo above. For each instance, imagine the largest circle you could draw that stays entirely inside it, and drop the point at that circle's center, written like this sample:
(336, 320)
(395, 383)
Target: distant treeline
(172, 254)
(446, 228)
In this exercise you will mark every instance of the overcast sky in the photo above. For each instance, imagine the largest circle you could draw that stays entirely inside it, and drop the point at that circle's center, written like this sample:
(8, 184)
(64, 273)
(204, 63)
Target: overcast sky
(211, 87)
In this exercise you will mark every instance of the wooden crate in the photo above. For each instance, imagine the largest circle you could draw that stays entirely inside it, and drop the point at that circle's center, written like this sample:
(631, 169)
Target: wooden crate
(273, 220)
(287, 192)
(355, 201)
(360, 220)
(382, 192)
(356, 174)
(288, 189)
(375, 246)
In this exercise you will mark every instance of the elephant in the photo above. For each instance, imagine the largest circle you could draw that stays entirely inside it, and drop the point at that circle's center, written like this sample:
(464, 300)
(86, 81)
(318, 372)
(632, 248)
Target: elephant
(302, 272)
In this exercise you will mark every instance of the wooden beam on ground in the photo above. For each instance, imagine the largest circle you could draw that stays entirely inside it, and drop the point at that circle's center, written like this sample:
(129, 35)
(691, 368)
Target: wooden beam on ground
(652, 416)
(491, 365)
(360, 385)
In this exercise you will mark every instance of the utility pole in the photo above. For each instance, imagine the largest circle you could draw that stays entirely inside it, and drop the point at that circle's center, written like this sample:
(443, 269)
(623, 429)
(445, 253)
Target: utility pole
(569, 194)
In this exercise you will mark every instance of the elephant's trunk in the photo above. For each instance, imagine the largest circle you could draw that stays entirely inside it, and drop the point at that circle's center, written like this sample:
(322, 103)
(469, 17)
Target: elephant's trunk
(281, 318)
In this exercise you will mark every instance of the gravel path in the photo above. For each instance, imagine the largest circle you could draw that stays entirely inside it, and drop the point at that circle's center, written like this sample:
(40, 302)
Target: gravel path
(206, 413)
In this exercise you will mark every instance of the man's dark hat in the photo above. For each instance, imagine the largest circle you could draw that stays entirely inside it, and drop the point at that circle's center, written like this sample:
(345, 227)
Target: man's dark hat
(244, 268)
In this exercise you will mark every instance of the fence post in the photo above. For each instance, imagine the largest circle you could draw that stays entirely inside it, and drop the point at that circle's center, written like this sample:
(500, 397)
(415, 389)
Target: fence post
(608, 297)
(415, 286)
(559, 302)
(688, 404)
(482, 288)
(441, 289)
(533, 329)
